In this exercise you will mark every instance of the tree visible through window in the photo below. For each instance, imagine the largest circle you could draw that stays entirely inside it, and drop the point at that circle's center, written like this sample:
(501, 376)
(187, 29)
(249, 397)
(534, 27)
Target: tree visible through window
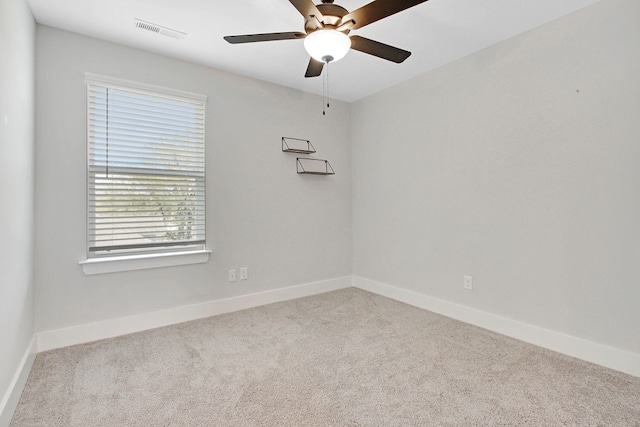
(146, 168)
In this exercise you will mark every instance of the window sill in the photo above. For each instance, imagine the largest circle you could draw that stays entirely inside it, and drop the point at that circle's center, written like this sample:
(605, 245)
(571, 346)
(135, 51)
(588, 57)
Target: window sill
(142, 262)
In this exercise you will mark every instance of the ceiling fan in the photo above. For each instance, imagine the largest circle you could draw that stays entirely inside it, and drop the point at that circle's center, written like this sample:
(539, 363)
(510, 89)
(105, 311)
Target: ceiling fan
(327, 26)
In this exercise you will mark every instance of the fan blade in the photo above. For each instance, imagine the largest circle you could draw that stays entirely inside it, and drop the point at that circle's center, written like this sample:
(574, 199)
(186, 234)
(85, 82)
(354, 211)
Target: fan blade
(378, 49)
(377, 10)
(307, 9)
(252, 38)
(314, 69)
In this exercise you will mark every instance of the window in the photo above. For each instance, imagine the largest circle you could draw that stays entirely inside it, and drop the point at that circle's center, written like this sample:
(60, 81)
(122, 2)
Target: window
(146, 169)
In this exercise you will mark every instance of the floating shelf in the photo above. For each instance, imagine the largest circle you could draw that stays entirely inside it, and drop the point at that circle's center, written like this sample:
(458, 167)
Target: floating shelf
(296, 145)
(314, 166)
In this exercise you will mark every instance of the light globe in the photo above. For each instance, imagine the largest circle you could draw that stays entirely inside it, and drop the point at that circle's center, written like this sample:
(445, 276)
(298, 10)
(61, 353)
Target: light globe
(327, 45)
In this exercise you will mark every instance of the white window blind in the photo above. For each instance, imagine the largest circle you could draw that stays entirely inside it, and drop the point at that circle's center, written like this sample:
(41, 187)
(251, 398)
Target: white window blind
(146, 168)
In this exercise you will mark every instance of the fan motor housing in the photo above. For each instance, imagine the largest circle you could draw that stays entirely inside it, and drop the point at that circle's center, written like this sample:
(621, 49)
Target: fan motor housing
(332, 14)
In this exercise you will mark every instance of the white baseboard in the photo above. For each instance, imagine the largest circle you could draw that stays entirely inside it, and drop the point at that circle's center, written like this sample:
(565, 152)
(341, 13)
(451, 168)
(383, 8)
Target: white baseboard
(80, 334)
(13, 393)
(600, 354)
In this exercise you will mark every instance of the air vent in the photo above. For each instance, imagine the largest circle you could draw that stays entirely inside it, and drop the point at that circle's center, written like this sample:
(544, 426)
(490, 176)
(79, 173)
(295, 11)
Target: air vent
(159, 29)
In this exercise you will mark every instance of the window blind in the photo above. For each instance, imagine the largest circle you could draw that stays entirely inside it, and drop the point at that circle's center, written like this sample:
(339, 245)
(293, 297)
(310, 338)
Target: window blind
(146, 170)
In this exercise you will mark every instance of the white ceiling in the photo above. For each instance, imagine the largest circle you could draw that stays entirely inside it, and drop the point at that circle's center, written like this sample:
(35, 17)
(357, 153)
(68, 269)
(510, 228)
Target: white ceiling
(436, 32)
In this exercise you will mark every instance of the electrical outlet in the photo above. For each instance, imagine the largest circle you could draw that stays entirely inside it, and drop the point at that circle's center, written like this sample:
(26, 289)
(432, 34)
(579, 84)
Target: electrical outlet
(244, 273)
(232, 275)
(468, 283)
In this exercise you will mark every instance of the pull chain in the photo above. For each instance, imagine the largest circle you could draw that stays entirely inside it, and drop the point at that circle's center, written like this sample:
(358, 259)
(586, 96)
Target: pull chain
(325, 88)
(327, 85)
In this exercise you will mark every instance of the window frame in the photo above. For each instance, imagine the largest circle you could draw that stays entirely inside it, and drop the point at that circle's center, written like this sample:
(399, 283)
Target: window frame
(134, 259)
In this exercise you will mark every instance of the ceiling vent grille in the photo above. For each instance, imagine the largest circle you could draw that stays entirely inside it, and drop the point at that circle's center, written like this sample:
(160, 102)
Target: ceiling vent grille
(159, 29)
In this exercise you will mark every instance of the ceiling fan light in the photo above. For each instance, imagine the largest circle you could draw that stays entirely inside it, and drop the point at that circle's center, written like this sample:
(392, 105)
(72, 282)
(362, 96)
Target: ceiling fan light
(327, 45)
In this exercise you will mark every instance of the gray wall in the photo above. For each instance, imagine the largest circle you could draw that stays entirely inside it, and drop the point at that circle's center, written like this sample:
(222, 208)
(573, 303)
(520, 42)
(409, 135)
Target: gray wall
(286, 228)
(517, 165)
(17, 32)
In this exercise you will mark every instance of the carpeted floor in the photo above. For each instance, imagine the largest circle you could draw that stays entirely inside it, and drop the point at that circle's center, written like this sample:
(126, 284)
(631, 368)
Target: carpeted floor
(344, 358)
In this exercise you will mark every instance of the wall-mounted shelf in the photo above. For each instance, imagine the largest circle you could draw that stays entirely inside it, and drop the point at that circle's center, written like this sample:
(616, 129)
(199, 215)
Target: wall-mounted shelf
(296, 145)
(314, 166)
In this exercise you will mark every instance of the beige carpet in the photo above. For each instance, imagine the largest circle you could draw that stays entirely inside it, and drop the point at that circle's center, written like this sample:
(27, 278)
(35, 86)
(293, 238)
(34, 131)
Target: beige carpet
(345, 358)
